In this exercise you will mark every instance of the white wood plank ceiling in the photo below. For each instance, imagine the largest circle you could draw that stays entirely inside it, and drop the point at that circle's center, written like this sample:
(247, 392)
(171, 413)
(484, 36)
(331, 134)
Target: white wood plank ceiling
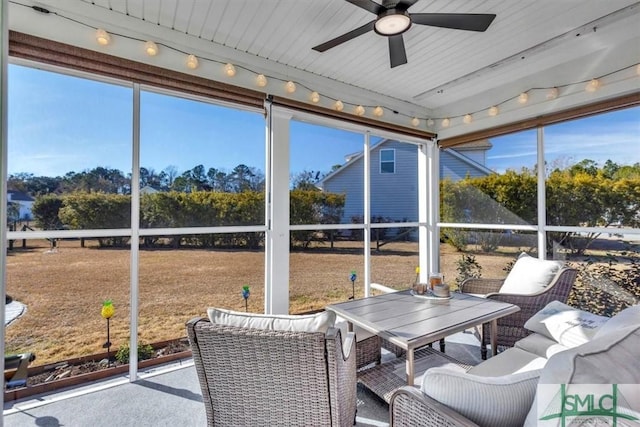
(530, 44)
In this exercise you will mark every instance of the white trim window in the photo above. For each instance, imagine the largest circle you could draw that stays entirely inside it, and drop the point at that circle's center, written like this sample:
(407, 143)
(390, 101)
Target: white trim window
(388, 160)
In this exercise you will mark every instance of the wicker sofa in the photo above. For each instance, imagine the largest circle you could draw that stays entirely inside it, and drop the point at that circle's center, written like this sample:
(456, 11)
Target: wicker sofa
(530, 285)
(566, 346)
(259, 370)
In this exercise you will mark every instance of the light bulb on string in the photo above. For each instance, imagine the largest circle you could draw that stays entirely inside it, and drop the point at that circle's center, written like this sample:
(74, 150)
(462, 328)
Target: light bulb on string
(415, 122)
(102, 37)
(467, 119)
(593, 85)
(290, 87)
(261, 80)
(359, 110)
(150, 48)
(230, 70)
(192, 62)
(493, 111)
(378, 111)
(523, 98)
(315, 97)
(446, 122)
(338, 105)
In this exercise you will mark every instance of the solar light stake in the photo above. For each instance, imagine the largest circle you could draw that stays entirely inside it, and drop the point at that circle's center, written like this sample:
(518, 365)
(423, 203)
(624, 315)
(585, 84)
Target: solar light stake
(245, 295)
(107, 312)
(353, 278)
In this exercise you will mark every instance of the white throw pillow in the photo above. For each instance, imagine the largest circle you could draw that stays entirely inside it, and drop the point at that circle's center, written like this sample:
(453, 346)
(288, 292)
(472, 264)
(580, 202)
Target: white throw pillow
(319, 322)
(487, 401)
(530, 275)
(566, 325)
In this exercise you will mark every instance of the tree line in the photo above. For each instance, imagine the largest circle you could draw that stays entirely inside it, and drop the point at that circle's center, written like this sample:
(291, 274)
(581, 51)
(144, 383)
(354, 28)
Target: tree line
(584, 195)
(113, 181)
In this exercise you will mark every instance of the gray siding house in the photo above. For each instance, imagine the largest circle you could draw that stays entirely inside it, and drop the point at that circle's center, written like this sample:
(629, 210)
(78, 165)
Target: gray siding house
(394, 182)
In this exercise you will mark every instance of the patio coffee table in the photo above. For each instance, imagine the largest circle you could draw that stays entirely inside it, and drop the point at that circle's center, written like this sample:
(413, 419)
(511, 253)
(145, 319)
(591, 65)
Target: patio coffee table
(411, 322)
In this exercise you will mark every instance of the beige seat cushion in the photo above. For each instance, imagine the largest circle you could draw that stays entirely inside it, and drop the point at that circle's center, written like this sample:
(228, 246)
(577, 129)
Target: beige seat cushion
(530, 275)
(513, 360)
(319, 322)
(540, 345)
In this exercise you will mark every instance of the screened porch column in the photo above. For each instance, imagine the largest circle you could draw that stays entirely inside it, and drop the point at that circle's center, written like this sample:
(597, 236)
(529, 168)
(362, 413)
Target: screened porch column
(433, 206)
(276, 293)
(4, 60)
(423, 211)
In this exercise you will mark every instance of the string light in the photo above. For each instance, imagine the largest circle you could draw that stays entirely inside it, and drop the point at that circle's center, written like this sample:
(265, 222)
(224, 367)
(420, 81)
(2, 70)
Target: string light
(467, 119)
(378, 111)
(593, 85)
(359, 110)
(102, 37)
(290, 87)
(315, 97)
(261, 80)
(415, 122)
(192, 62)
(230, 70)
(151, 48)
(523, 98)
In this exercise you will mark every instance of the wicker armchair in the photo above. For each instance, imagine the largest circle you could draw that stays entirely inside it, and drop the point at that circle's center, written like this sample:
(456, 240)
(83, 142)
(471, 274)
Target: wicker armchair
(511, 328)
(256, 377)
(409, 407)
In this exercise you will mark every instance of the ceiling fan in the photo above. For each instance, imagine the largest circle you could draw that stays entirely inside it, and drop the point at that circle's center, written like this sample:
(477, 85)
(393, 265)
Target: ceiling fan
(393, 19)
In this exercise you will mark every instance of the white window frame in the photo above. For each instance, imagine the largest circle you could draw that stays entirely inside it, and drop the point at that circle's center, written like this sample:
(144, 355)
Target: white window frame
(393, 150)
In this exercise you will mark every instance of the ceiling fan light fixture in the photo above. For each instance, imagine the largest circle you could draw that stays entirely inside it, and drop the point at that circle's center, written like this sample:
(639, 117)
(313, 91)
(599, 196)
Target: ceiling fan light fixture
(392, 22)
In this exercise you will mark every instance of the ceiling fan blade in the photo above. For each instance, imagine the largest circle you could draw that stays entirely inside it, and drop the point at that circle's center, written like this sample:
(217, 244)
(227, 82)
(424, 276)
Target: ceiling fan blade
(397, 53)
(345, 37)
(457, 21)
(405, 4)
(369, 5)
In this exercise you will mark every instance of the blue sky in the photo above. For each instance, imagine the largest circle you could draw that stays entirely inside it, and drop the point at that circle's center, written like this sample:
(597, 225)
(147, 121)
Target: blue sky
(59, 124)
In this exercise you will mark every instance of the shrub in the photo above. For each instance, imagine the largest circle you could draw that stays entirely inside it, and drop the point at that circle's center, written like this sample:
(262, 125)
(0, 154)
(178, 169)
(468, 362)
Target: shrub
(467, 267)
(145, 351)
